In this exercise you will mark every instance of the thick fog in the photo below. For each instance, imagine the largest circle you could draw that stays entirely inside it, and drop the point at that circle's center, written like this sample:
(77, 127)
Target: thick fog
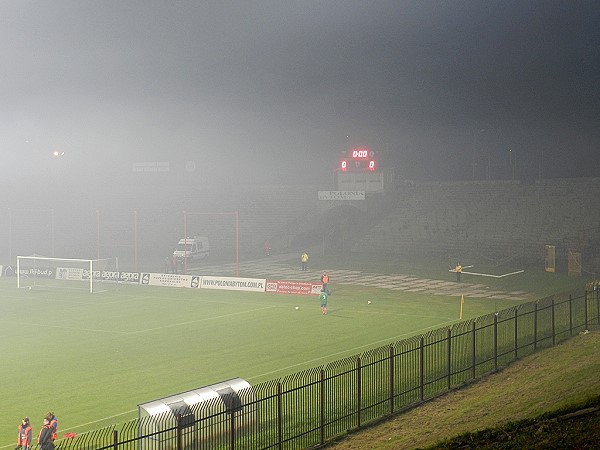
(272, 92)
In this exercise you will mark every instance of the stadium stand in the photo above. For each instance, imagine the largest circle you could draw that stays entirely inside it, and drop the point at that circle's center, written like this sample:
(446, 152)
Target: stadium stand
(483, 219)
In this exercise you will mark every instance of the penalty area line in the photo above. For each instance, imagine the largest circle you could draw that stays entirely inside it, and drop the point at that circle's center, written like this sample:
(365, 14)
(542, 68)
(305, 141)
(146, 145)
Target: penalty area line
(495, 276)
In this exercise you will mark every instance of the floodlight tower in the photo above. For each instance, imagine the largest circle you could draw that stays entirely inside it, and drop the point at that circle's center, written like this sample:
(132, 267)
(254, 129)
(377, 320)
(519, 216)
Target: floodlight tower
(57, 155)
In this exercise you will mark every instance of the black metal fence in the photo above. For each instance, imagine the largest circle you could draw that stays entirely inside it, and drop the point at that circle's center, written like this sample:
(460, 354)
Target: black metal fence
(310, 408)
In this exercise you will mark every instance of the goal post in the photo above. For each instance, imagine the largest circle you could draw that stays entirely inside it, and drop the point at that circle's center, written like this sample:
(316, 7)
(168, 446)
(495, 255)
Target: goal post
(71, 273)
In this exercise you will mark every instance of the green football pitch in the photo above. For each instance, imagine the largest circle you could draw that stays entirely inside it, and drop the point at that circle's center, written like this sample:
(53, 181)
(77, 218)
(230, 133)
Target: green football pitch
(92, 358)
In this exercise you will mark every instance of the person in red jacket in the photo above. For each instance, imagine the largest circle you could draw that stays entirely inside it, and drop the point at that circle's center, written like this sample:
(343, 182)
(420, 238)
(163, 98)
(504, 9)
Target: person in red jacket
(24, 435)
(53, 424)
(325, 281)
(45, 441)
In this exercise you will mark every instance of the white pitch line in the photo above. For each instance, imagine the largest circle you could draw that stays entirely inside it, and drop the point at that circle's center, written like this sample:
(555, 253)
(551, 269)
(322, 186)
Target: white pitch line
(494, 276)
(199, 320)
(464, 267)
(386, 340)
(84, 425)
(100, 420)
(67, 327)
(487, 274)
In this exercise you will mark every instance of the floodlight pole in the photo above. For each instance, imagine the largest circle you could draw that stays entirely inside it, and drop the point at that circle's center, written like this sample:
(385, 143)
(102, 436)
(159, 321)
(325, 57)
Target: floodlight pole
(10, 237)
(98, 234)
(135, 240)
(52, 212)
(184, 243)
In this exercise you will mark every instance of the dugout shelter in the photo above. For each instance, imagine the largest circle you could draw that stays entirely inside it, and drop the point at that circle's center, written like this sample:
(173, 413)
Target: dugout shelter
(206, 417)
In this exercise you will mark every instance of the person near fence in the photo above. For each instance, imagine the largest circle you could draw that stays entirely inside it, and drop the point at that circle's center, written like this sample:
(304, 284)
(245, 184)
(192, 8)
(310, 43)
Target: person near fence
(458, 270)
(53, 424)
(323, 300)
(44, 440)
(24, 435)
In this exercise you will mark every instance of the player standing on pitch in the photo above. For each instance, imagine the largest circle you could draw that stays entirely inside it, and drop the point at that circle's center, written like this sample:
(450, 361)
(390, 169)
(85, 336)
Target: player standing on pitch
(325, 281)
(323, 299)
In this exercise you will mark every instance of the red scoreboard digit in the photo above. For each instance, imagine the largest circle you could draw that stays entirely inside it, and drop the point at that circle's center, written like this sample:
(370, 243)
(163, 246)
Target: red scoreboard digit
(358, 160)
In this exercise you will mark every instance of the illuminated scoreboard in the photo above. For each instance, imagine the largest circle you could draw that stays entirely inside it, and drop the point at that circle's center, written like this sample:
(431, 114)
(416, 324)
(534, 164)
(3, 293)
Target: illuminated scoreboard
(358, 160)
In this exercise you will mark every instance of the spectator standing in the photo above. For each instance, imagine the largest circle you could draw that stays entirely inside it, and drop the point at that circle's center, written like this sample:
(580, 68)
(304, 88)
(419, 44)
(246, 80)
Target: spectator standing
(45, 441)
(24, 435)
(458, 270)
(304, 261)
(53, 424)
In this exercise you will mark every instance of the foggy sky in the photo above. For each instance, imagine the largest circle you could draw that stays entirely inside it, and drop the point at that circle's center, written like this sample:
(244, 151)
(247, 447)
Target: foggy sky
(273, 91)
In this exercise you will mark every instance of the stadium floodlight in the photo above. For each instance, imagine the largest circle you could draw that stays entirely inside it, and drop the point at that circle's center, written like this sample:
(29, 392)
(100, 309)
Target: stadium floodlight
(40, 271)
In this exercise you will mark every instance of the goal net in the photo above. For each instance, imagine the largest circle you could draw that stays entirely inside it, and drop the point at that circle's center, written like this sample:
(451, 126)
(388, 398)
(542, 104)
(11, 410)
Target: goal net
(92, 275)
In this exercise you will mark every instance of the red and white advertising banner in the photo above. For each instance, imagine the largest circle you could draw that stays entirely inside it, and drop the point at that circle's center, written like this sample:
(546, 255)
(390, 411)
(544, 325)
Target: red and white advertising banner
(170, 280)
(293, 287)
(233, 284)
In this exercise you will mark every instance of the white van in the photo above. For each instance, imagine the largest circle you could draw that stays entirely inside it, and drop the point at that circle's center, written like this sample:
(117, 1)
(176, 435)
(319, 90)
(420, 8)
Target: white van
(192, 249)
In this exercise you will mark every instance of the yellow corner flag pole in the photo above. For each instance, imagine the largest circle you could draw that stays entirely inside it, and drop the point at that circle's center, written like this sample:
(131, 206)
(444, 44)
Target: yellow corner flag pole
(462, 301)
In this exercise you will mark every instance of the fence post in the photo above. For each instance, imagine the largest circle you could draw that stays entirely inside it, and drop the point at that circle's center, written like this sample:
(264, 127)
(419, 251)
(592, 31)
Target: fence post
(571, 313)
(115, 439)
(279, 417)
(422, 368)
(391, 356)
(496, 341)
(535, 318)
(322, 424)
(585, 298)
(553, 324)
(449, 375)
(179, 444)
(585, 310)
(473, 350)
(231, 415)
(516, 332)
(358, 391)
(597, 305)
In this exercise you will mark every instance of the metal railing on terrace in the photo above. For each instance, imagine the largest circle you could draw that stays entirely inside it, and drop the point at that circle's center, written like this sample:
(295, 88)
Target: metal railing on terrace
(309, 408)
